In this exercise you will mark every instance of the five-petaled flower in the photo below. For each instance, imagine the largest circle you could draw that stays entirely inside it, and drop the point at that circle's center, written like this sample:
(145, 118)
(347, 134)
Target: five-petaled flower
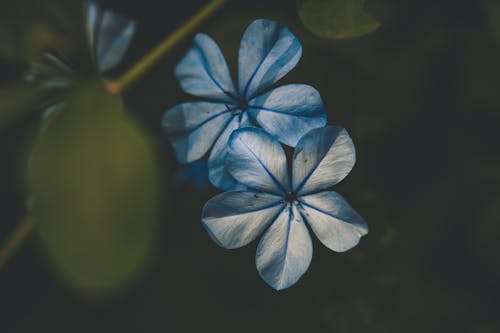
(267, 52)
(279, 200)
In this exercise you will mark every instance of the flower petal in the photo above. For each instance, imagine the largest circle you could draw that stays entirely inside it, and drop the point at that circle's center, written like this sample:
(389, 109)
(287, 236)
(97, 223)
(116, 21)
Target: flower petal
(333, 221)
(53, 70)
(203, 72)
(258, 161)
(92, 13)
(289, 112)
(322, 158)
(109, 36)
(193, 127)
(285, 251)
(234, 219)
(217, 172)
(268, 51)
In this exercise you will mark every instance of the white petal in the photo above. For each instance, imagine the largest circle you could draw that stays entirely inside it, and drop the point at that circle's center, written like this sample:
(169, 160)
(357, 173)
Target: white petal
(285, 251)
(258, 161)
(289, 112)
(193, 128)
(333, 221)
(268, 51)
(234, 219)
(203, 72)
(322, 158)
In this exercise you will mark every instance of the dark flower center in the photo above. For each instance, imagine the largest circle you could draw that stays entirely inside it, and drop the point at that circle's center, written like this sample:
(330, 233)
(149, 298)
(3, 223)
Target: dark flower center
(241, 102)
(290, 197)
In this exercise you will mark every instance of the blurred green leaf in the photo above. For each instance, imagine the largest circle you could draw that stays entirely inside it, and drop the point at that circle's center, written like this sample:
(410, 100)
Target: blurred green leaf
(94, 181)
(336, 18)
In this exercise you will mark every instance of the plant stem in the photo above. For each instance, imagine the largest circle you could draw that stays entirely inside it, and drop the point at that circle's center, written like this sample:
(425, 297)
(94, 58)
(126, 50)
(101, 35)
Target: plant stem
(148, 61)
(14, 241)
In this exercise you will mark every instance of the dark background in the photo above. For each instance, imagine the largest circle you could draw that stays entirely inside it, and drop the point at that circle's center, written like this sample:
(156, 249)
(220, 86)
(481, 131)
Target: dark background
(420, 99)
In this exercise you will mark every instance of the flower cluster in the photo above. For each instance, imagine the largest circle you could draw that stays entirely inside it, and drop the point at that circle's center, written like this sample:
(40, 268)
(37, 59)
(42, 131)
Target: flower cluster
(244, 126)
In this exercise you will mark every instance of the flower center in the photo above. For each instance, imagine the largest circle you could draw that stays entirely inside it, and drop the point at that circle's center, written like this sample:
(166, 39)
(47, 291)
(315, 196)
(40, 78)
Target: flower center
(290, 197)
(241, 102)
(244, 105)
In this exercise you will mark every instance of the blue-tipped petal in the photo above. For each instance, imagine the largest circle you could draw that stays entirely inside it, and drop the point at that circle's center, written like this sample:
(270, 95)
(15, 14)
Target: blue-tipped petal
(258, 161)
(285, 251)
(322, 158)
(193, 128)
(268, 51)
(203, 72)
(333, 221)
(234, 219)
(289, 112)
(109, 36)
(217, 171)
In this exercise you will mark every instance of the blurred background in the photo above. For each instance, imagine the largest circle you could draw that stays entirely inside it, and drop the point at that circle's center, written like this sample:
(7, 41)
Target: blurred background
(420, 98)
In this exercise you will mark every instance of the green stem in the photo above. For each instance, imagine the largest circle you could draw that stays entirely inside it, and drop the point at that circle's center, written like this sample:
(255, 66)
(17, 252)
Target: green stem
(14, 241)
(139, 69)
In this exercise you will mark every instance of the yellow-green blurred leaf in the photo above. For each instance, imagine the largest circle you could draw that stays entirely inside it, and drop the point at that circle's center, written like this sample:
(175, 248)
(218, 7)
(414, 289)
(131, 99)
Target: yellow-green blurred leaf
(336, 18)
(94, 181)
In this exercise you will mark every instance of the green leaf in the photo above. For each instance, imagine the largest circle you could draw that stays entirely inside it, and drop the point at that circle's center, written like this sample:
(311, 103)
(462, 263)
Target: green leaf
(336, 18)
(94, 182)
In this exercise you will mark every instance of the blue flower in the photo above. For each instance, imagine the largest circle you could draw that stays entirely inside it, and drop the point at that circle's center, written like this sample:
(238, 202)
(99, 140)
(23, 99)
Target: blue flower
(109, 36)
(279, 203)
(267, 52)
